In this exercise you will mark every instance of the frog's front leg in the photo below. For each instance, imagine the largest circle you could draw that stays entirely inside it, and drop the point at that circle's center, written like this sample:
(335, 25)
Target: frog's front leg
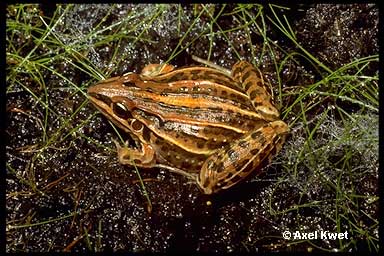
(233, 163)
(144, 157)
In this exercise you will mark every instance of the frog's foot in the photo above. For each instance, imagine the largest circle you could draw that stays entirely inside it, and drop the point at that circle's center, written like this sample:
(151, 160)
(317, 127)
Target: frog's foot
(144, 157)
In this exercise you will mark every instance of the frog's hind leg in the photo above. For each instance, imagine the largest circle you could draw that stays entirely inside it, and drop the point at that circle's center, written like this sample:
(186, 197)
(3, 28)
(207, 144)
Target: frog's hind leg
(253, 84)
(235, 162)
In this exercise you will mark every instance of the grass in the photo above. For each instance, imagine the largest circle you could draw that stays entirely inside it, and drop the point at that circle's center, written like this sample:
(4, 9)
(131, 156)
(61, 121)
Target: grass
(329, 165)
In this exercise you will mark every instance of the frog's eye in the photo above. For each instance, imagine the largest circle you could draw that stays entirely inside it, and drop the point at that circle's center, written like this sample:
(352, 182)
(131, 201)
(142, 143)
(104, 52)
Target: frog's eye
(121, 110)
(129, 83)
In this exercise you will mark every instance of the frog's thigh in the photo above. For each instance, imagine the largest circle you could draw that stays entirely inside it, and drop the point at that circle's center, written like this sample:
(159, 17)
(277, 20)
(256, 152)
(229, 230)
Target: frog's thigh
(252, 82)
(235, 162)
(153, 70)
